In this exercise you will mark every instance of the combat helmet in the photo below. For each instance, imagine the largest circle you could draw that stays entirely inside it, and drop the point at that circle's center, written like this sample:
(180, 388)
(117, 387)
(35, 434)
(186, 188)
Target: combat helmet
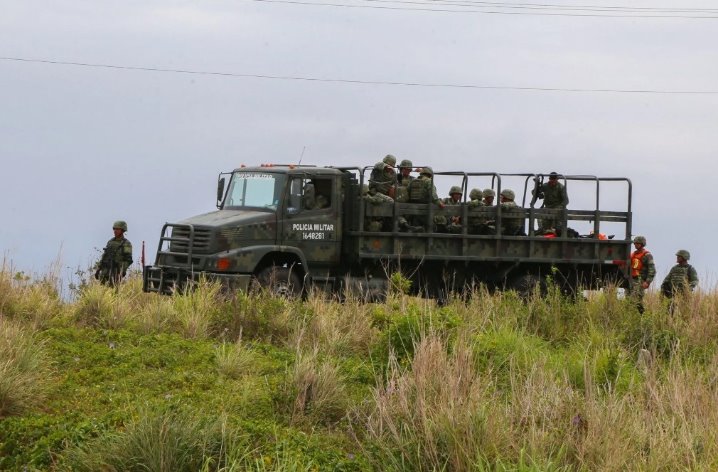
(508, 194)
(476, 194)
(119, 224)
(405, 163)
(389, 159)
(684, 254)
(427, 171)
(639, 240)
(489, 192)
(455, 189)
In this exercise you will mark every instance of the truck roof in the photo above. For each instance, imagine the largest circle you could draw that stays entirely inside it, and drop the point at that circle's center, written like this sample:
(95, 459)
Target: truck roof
(291, 169)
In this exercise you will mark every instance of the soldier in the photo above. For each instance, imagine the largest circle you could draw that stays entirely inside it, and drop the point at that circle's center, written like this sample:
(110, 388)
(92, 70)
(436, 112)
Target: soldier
(383, 178)
(553, 193)
(312, 200)
(511, 222)
(489, 195)
(452, 225)
(478, 224)
(475, 197)
(643, 270)
(373, 223)
(681, 277)
(116, 257)
(404, 177)
(422, 190)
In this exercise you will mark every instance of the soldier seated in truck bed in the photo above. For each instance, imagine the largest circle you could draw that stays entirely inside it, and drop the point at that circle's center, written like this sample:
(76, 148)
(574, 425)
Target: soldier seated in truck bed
(512, 216)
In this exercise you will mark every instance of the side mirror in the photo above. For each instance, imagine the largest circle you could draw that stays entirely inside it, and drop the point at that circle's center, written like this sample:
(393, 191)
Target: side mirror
(220, 191)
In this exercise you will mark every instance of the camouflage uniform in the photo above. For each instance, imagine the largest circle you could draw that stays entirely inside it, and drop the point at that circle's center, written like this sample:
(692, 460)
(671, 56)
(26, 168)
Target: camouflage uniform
(420, 190)
(511, 226)
(374, 223)
(489, 194)
(476, 224)
(402, 181)
(681, 277)
(553, 196)
(313, 201)
(643, 270)
(442, 223)
(116, 258)
(382, 178)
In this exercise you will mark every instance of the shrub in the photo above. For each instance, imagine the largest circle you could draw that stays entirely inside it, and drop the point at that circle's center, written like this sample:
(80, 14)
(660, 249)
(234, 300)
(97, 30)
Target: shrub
(233, 359)
(313, 390)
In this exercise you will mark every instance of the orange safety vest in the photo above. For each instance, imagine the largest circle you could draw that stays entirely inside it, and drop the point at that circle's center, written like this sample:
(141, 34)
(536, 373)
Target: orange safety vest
(637, 262)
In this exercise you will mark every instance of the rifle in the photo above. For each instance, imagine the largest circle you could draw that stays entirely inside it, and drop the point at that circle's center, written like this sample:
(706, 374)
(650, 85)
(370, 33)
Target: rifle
(107, 261)
(537, 193)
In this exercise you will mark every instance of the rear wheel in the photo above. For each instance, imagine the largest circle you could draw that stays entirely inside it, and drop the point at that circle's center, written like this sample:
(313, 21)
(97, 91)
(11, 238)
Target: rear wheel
(526, 284)
(282, 281)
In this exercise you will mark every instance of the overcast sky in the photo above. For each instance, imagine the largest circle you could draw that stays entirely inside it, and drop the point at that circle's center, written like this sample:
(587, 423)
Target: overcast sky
(84, 146)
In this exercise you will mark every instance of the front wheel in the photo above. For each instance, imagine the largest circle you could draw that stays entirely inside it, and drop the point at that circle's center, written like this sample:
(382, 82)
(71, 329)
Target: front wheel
(281, 281)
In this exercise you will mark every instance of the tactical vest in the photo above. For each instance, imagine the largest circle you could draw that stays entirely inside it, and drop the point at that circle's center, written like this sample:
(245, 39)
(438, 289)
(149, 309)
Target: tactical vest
(418, 191)
(679, 276)
(637, 262)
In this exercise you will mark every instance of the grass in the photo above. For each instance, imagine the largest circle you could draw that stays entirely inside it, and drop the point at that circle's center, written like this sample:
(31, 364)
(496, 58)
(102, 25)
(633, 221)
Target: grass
(123, 380)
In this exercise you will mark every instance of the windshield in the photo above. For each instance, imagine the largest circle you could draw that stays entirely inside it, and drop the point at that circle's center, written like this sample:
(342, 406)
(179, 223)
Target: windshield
(255, 190)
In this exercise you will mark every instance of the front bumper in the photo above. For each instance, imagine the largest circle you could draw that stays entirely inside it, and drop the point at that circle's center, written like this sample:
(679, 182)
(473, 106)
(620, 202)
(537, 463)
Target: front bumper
(167, 280)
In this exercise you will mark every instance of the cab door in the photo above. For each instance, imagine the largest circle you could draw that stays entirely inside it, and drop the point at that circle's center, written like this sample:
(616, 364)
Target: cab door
(311, 219)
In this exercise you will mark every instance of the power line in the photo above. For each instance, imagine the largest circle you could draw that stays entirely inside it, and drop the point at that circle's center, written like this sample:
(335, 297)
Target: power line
(591, 7)
(364, 82)
(486, 12)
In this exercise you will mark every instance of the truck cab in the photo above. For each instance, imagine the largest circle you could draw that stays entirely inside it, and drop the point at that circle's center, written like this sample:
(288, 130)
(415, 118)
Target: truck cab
(271, 223)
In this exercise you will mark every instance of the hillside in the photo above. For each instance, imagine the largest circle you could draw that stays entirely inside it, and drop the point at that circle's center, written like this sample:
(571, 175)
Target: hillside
(123, 380)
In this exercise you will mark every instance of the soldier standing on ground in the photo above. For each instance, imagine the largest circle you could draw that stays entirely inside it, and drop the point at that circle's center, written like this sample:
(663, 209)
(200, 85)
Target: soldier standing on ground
(116, 257)
(643, 270)
(681, 278)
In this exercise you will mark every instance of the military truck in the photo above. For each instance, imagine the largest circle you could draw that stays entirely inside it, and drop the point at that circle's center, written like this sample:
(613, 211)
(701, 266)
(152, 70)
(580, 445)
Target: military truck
(295, 228)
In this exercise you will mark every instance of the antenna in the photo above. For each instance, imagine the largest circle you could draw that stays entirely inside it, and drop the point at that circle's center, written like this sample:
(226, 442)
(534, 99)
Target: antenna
(304, 148)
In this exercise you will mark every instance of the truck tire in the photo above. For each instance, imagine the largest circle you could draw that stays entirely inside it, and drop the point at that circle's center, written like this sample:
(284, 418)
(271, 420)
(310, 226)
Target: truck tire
(282, 281)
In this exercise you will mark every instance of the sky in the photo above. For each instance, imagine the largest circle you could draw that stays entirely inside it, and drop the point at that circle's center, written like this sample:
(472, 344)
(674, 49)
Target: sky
(459, 85)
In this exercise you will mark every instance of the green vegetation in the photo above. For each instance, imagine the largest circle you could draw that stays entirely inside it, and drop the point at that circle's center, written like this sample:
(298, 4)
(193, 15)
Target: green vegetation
(122, 380)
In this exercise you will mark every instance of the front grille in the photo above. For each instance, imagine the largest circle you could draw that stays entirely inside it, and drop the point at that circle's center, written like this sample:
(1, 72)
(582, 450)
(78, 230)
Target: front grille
(201, 243)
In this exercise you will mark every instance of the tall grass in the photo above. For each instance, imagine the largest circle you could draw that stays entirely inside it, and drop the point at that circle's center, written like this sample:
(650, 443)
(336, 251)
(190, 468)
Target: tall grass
(33, 302)
(24, 370)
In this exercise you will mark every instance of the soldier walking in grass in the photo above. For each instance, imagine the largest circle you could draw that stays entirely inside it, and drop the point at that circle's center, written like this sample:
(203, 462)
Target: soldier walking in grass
(643, 270)
(116, 257)
(681, 280)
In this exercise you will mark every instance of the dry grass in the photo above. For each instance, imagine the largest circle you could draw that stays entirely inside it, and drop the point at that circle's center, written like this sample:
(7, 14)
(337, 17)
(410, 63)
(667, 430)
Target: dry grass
(24, 369)
(338, 329)
(315, 390)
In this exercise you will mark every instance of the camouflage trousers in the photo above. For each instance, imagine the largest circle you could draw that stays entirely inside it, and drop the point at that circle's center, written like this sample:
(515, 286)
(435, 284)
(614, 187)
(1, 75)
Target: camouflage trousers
(637, 292)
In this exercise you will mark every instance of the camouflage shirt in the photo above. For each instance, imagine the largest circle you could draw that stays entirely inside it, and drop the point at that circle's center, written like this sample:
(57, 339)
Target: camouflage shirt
(116, 259)
(554, 196)
(422, 190)
(680, 278)
(381, 180)
(511, 226)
